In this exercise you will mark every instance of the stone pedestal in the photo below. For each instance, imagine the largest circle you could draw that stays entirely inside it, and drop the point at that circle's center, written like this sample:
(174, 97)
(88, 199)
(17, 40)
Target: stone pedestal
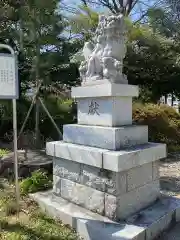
(104, 163)
(106, 173)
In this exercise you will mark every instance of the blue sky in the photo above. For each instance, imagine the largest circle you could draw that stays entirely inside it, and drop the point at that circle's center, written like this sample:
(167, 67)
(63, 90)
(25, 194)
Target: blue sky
(73, 4)
(139, 9)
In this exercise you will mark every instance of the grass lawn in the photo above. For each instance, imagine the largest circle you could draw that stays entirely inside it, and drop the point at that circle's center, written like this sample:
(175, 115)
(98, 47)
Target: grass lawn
(31, 224)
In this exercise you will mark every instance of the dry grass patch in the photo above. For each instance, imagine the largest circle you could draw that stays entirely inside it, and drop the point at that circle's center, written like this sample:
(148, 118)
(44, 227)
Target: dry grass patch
(30, 223)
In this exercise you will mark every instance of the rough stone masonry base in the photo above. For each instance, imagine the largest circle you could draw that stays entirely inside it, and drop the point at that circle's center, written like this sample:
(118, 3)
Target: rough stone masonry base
(115, 195)
(112, 192)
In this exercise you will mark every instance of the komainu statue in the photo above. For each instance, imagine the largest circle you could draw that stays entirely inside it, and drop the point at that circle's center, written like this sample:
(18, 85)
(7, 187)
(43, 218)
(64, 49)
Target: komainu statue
(105, 53)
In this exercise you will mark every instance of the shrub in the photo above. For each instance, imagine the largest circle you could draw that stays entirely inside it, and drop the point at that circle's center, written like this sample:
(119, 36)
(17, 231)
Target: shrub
(62, 111)
(39, 181)
(3, 152)
(163, 122)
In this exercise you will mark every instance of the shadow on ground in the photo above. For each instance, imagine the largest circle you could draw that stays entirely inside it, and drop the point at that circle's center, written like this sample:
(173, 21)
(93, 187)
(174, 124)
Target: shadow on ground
(170, 184)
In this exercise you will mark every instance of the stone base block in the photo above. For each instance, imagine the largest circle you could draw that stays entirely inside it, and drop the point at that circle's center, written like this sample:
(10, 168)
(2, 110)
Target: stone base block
(116, 161)
(146, 225)
(113, 206)
(123, 160)
(106, 137)
(131, 202)
(82, 195)
(110, 111)
(157, 217)
(90, 81)
(105, 90)
(114, 183)
(96, 178)
(79, 194)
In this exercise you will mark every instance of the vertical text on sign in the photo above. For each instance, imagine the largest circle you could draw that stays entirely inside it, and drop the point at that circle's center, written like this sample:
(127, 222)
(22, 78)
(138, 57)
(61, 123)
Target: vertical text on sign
(8, 76)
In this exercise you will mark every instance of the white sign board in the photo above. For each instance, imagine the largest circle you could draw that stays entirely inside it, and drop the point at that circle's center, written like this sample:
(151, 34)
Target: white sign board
(9, 87)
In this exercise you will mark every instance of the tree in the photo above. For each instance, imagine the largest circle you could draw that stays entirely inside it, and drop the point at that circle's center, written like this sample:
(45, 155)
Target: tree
(137, 9)
(115, 6)
(163, 22)
(83, 24)
(34, 28)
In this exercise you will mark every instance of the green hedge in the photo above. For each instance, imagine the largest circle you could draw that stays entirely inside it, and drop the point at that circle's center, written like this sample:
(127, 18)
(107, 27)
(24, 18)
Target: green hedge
(163, 122)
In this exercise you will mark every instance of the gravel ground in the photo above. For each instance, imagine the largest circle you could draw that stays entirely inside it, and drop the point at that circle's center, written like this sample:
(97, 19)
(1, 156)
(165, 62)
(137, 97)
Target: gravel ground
(170, 175)
(170, 185)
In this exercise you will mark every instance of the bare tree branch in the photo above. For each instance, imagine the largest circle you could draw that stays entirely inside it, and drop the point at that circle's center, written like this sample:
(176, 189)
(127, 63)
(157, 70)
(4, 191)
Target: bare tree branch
(134, 3)
(120, 2)
(129, 6)
(142, 16)
(126, 7)
(84, 2)
(115, 5)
